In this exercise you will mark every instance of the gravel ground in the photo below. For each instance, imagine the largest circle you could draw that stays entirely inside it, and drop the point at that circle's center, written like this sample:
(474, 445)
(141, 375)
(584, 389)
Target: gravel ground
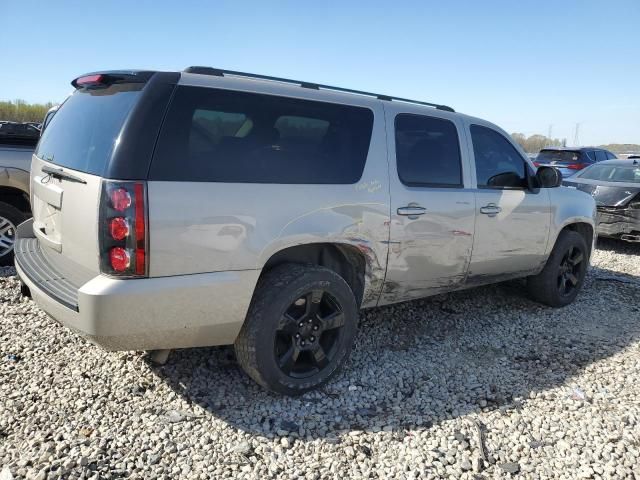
(552, 393)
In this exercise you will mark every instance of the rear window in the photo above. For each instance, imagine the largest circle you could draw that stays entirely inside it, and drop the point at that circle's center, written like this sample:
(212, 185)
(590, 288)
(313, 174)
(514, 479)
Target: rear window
(612, 173)
(212, 135)
(558, 156)
(84, 131)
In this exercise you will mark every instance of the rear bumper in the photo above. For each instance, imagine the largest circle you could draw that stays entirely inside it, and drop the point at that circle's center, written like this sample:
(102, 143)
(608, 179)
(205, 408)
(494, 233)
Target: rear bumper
(152, 313)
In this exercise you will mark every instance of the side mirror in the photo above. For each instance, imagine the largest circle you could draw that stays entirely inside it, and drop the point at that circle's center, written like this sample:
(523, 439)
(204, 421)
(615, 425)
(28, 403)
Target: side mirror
(548, 177)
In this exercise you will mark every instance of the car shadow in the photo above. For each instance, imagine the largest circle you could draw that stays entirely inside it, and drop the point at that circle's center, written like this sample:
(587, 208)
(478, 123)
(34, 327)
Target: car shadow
(427, 361)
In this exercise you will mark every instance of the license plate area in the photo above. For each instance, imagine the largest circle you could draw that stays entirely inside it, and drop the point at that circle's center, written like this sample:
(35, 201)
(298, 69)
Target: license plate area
(47, 211)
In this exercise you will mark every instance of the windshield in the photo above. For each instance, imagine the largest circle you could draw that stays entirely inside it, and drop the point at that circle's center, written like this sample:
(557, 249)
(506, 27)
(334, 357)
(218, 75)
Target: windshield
(84, 131)
(613, 173)
(558, 156)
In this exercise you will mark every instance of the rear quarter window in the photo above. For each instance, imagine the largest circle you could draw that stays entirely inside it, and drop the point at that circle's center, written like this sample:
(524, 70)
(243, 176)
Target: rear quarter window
(212, 135)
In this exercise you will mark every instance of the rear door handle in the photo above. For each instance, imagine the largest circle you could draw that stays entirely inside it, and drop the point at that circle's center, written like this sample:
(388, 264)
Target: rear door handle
(413, 210)
(492, 210)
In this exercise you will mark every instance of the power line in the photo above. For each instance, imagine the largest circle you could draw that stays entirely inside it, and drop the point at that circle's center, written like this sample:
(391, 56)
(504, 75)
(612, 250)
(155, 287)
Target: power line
(576, 135)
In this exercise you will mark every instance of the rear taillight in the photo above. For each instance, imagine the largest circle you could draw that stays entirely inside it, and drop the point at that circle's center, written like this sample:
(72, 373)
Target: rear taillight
(577, 166)
(536, 164)
(123, 229)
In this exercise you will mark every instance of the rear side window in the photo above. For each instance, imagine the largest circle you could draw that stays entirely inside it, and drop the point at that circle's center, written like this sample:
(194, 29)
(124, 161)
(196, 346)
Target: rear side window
(427, 151)
(611, 156)
(600, 155)
(498, 163)
(212, 135)
(84, 131)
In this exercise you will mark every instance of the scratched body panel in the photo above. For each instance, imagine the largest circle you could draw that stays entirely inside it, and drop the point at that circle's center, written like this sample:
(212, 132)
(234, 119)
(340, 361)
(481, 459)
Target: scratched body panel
(429, 253)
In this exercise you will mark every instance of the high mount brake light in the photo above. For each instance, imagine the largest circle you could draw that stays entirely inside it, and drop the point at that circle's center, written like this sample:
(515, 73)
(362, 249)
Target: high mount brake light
(90, 80)
(123, 229)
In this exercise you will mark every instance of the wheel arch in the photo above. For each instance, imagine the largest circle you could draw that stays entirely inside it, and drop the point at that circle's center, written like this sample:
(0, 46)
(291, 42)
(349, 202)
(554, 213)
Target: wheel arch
(582, 227)
(348, 261)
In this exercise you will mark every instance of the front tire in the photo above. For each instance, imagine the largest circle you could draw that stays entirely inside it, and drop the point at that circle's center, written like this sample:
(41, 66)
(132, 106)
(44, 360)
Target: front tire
(563, 275)
(299, 330)
(10, 218)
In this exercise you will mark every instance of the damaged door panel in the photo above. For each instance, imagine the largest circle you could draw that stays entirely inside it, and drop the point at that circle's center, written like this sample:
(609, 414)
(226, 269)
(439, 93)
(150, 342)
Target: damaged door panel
(432, 214)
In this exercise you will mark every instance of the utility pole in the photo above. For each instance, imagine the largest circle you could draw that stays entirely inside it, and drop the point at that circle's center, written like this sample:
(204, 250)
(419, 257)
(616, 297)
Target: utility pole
(549, 134)
(576, 136)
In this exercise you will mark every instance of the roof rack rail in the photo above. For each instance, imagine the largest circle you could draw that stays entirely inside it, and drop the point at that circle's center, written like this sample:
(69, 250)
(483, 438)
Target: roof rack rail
(218, 72)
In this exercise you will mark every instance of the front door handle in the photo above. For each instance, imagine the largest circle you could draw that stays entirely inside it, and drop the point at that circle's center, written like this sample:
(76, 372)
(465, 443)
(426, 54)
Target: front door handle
(492, 210)
(413, 210)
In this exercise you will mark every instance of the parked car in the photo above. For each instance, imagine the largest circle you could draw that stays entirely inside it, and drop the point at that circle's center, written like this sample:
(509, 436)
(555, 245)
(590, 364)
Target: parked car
(615, 186)
(208, 207)
(17, 141)
(570, 160)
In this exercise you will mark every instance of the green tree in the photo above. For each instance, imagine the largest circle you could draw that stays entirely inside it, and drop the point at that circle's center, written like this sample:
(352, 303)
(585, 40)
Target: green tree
(21, 111)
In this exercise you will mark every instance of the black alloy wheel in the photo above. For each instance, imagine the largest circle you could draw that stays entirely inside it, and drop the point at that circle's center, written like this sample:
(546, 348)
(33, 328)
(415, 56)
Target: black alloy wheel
(569, 271)
(308, 334)
(299, 330)
(562, 277)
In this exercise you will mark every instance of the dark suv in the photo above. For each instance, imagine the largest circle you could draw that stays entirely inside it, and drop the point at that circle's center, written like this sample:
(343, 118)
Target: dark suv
(570, 160)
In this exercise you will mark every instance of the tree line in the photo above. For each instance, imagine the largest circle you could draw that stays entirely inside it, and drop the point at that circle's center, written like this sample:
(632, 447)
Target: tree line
(535, 143)
(21, 111)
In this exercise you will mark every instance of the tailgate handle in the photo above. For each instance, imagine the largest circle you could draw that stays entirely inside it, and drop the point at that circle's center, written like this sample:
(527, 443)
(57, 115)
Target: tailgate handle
(52, 194)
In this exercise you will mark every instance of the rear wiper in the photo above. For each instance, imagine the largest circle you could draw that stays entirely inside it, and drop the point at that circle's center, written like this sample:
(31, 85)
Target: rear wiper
(61, 174)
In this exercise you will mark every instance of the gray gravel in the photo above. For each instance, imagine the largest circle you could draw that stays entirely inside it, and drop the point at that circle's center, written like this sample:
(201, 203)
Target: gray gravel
(552, 394)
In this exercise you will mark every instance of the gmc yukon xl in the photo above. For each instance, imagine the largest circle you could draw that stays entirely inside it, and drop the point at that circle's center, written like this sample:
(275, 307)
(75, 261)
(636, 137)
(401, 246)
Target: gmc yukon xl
(209, 207)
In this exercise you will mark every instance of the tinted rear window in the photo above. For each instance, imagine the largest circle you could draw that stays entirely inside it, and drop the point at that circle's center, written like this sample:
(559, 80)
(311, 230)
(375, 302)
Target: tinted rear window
(612, 173)
(559, 156)
(84, 131)
(212, 135)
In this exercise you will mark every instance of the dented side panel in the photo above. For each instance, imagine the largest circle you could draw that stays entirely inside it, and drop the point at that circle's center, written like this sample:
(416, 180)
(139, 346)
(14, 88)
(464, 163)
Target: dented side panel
(429, 253)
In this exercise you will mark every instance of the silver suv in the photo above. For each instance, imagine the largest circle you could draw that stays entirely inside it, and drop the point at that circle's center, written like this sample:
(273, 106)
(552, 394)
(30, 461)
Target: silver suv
(210, 207)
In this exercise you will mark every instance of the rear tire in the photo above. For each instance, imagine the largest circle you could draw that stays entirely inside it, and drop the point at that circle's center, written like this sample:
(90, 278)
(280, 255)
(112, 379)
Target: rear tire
(563, 275)
(10, 218)
(299, 330)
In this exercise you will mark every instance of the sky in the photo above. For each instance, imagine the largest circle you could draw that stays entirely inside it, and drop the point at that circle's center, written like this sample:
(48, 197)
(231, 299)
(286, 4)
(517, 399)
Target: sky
(529, 66)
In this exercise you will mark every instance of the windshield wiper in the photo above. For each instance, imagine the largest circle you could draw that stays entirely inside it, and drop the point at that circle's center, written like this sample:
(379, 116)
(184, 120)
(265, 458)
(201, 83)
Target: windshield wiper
(61, 174)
